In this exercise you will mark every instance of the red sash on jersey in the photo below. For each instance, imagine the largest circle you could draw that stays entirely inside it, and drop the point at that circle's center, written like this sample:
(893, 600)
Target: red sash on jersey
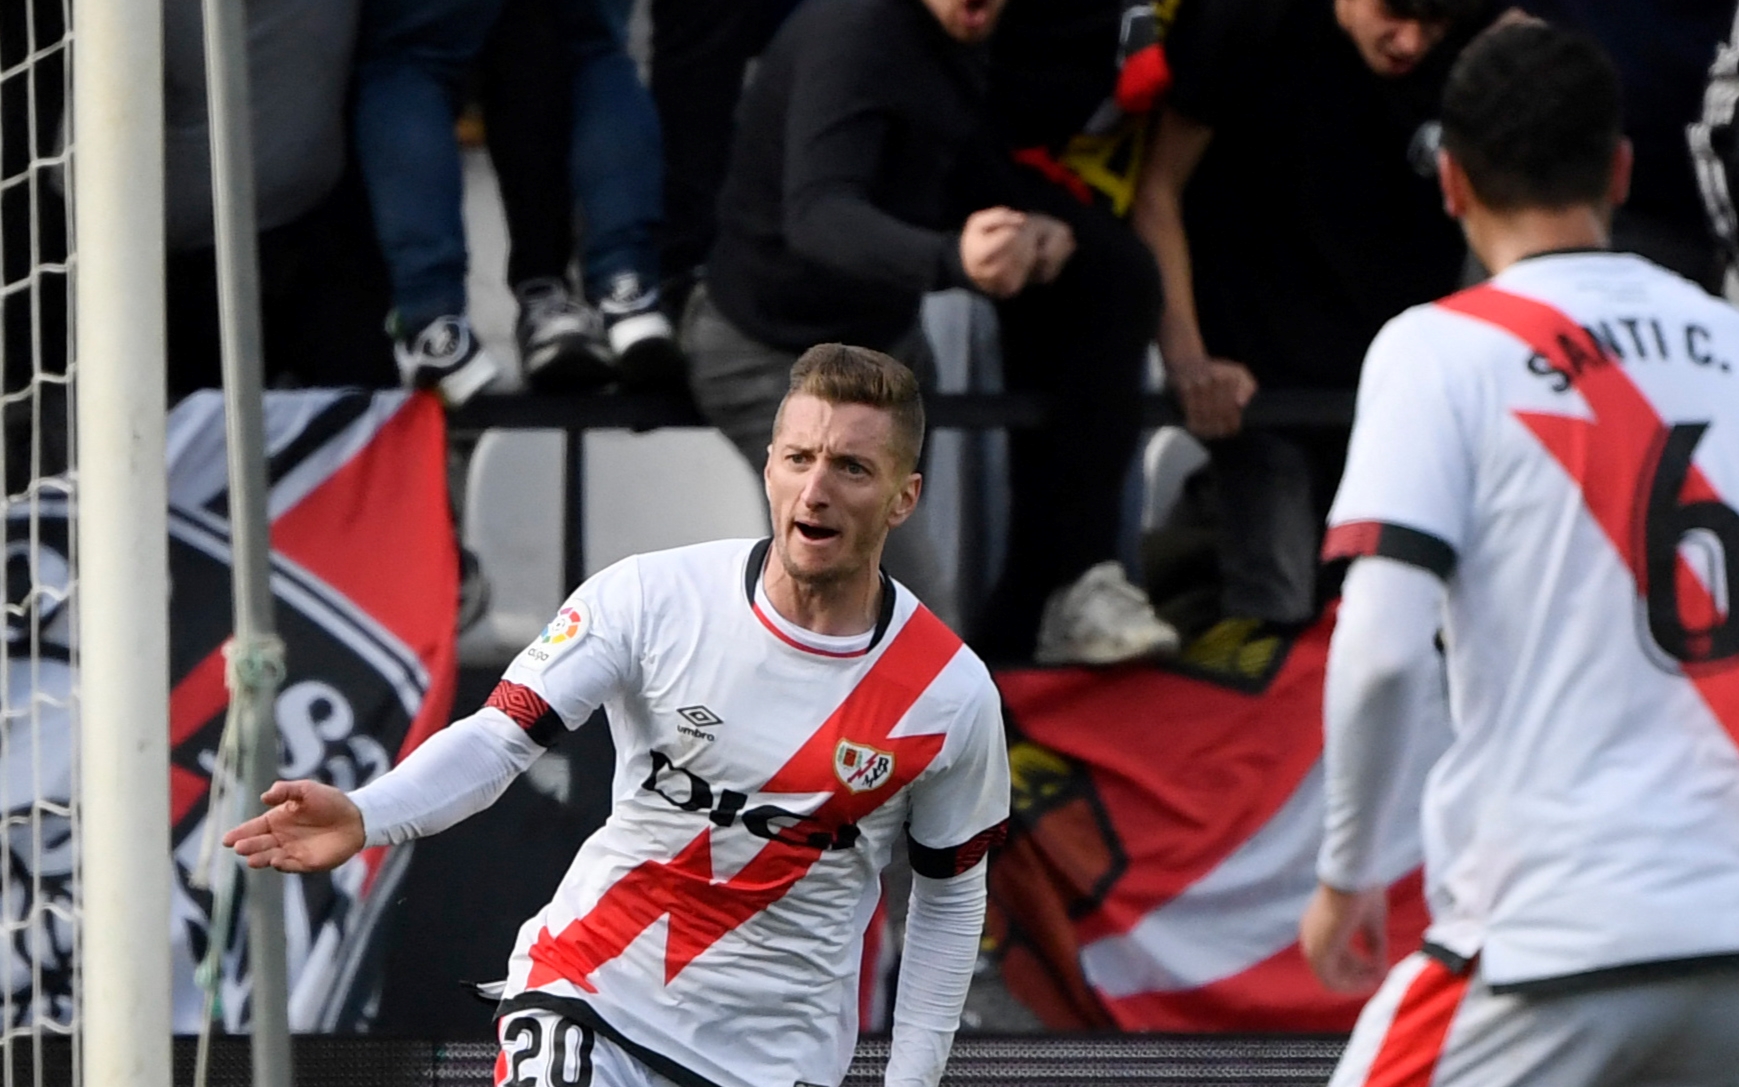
(1616, 460)
(703, 911)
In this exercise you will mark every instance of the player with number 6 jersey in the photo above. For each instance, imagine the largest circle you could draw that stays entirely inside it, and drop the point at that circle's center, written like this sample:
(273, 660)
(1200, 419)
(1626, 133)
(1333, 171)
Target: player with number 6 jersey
(783, 714)
(1562, 444)
(1544, 467)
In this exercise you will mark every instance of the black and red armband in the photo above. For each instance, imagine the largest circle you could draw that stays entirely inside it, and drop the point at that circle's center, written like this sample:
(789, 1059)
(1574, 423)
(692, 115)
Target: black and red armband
(954, 860)
(527, 709)
(1358, 539)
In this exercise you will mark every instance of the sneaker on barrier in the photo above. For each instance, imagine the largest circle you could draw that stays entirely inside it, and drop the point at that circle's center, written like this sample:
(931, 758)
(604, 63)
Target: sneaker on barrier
(444, 355)
(640, 334)
(1101, 619)
(562, 343)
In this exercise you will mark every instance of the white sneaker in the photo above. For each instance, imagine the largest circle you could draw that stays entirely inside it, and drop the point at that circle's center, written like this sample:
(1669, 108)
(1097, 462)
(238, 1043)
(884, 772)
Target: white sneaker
(1102, 619)
(445, 355)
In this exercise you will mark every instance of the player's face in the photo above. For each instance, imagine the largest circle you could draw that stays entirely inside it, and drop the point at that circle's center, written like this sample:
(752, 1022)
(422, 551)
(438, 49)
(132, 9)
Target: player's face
(1391, 46)
(967, 21)
(835, 485)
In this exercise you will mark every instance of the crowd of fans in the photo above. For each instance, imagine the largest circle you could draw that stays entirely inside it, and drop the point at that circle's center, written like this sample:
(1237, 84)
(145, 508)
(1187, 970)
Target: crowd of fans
(1250, 183)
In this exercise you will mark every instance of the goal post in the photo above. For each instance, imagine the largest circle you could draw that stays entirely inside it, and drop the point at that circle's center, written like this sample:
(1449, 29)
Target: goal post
(122, 534)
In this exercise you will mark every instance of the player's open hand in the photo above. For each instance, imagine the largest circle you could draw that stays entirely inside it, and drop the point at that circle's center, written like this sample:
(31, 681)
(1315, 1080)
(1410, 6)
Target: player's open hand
(1345, 938)
(1213, 393)
(307, 827)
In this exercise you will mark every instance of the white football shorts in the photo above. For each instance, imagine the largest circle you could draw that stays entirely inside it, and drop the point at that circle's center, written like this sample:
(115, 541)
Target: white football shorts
(546, 1049)
(1428, 1026)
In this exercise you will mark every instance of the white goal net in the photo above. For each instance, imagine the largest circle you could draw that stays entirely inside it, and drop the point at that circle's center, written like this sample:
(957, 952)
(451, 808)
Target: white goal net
(39, 879)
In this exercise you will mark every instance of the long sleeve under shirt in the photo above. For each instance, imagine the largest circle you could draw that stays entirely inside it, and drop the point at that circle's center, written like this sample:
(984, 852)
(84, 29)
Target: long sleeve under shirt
(860, 147)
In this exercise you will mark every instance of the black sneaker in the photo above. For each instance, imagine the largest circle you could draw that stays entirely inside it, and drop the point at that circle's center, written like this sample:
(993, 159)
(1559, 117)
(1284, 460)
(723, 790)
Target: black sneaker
(640, 334)
(562, 343)
(446, 356)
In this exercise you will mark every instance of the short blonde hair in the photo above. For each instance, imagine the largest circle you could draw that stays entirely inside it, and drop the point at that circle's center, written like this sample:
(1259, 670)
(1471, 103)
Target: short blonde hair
(838, 373)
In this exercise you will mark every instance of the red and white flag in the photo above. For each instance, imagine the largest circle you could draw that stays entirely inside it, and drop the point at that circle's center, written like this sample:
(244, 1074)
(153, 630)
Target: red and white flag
(1167, 831)
(365, 584)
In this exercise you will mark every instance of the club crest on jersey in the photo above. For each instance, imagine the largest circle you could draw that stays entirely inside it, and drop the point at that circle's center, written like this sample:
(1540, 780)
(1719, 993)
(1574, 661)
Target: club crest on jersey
(561, 634)
(861, 768)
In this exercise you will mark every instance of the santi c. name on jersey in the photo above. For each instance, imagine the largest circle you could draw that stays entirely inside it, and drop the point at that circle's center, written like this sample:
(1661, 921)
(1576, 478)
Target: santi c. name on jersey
(861, 768)
(1623, 341)
(697, 719)
(566, 630)
(725, 808)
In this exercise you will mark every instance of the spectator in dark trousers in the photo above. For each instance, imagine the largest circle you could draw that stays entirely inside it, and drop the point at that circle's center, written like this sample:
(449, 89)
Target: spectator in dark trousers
(1291, 201)
(865, 173)
(700, 52)
(413, 55)
(322, 281)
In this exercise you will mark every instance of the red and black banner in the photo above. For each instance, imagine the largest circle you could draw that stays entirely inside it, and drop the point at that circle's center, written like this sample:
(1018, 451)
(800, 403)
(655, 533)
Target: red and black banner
(364, 578)
(1166, 831)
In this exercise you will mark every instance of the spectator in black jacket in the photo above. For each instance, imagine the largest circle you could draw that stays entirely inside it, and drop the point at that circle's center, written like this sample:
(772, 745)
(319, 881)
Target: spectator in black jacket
(1291, 201)
(700, 52)
(864, 174)
(1082, 342)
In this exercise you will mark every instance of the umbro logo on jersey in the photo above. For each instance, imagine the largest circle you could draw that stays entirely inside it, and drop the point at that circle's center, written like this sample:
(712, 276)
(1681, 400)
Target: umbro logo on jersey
(862, 768)
(699, 719)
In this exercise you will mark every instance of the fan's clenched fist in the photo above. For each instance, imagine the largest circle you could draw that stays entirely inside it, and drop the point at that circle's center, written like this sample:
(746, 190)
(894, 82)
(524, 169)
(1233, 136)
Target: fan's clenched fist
(998, 249)
(1213, 393)
(1053, 245)
(307, 827)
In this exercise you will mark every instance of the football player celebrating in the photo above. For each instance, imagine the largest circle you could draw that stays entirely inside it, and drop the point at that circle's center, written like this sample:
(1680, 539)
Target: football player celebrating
(781, 711)
(1545, 467)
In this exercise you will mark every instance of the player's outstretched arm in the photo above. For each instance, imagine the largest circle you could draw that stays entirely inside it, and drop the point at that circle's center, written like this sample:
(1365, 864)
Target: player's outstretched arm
(452, 776)
(307, 827)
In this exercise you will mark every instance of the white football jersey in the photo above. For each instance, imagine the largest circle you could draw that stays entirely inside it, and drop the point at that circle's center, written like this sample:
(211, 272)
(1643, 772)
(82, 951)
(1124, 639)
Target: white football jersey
(1562, 445)
(714, 925)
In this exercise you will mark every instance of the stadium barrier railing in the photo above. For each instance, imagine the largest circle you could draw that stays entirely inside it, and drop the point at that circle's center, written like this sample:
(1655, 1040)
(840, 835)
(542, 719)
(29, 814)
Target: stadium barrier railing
(944, 411)
(1138, 1060)
(964, 411)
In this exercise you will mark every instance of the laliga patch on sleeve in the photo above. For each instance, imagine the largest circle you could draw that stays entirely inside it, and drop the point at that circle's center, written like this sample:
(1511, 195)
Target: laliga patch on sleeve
(565, 631)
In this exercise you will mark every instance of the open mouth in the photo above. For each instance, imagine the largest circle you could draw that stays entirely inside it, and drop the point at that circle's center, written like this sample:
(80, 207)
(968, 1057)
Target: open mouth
(816, 532)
